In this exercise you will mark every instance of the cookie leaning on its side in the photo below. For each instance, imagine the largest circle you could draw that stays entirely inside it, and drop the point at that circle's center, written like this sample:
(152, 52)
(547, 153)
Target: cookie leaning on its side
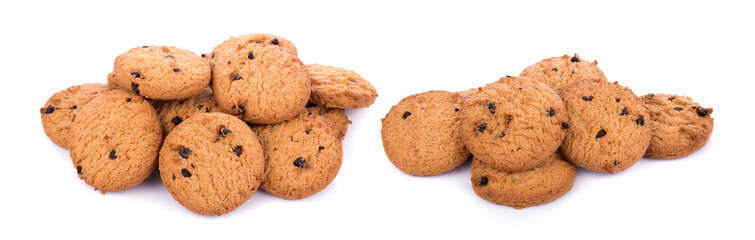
(60, 110)
(680, 125)
(336, 87)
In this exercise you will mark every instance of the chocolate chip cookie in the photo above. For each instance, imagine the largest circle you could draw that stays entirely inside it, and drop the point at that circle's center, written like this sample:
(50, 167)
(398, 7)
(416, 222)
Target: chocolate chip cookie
(302, 155)
(115, 140)
(559, 72)
(259, 84)
(680, 126)
(336, 87)
(420, 134)
(336, 115)
(543, 184)
(513, 124)
(161, 72)
(174, 112)
(61, 109)
(262, 39)
(609, 127)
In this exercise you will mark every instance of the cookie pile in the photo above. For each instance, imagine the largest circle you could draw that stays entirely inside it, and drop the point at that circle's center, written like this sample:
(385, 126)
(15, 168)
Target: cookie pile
(525, 134)
(249, 115)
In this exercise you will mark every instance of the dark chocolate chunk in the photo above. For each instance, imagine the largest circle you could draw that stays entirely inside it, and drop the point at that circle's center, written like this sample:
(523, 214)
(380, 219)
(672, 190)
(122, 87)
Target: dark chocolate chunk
(484, 181)
(78, 169)
(112, 154)
(73, 107)
(200, 107)
(224, 131)
(237, 150)
(135, 87)
(136, 74)
(251, 55)
(320, 148)
(237, 77)
(145, 46)
(406, 115)
(565, 125)
(551, 112)
(491, 107)
(213, 55)
(482, 127)
(128, 99)
(601, 133)
(671, 99)
(702, 112)
(574, 59)
(176, 70)
(307, 131)
(299, 162)
(176, 120)
(618, 100)
(615, 162)
(274, 41)
(456, 109)
(678, 109)
(169, 56)
(624, 112)
(184, 152)
(49, 109)
(587, 98)
(641, 121)
(204, 55)
(554, 69)
(185, 173)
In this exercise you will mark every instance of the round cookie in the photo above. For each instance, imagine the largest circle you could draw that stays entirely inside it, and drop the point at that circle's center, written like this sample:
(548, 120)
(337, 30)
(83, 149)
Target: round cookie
(174, 112)
(543, 184)
(608, 126)
(336, 87)
(161, 72)
(513, 124)
(420, 134)
(680, 126)
(260, 84)
(114, 141)
(262, 39)
(302, 155)
(61, 109)
(212, 163)
(336, 115)
(559, 72)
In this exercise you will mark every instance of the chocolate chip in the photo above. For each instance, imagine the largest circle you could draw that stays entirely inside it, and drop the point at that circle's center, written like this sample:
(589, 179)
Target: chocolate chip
(307, 131)
(237, 77)
(204, 55)
(565, 125)
(185, 172)
(503, 134)
(554, 69)
(615, 162)
(702, 112)
(200, 107)
(135, 87)
(484, 181)
(241, 109)
(192, 166)
(213, 55)
(176, 120)
(174, 177)
(73, 107)
(551, 112)
(320, 148)
(169, 56)
(651, 95)
(406, 115)
(251, 55)
(482, 127)
(456, 109)
(508, 76)
(618, 100)
(237, 150)
(671, 99)
(128, 99)
(78, 169)
(641, 121)
(299, 162)
(229, 62)
(184, 152)
(145, 46)
(274, 41)
(112, 154)
(574, 59)
(678, 109)
(587, 98)
(573, 72)
(624, 112)
(136, 74)
(491, 107)
(224, 131)
(49, 109)
(176, 70)
(601, 133)
(181, 102)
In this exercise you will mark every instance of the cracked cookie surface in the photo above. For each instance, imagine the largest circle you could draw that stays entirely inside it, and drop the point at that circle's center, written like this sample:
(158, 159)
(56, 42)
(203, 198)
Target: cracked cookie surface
(212, 163)
(559, 72)
(115, 141)
(513, 124)
(609, 129)
(60, 110)
(680, 125)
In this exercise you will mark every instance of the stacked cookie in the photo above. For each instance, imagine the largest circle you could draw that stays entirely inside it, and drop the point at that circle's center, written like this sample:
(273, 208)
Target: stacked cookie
(249, 115)
(526, 134)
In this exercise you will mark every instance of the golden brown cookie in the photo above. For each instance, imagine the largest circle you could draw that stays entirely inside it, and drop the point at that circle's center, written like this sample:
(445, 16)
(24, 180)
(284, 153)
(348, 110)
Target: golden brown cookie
(608, 127)
(174, 112)
(680, 126)
(61, 109)
(420, 134)
(260, 84)
(161, 72)
(302, 155)
(513, 124)
(114, 141)
(543, 184)
(262, 39)
(212, 163)
(336, 87)
(336, 115)
(559, 72)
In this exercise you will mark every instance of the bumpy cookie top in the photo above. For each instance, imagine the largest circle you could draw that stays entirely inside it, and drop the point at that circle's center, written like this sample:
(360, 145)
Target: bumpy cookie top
(303, 155)
(114, 141)
(608, 127)
(545, 183)
(161, 72)
(260, 84)
(61, 109)
(174, 112)
(339, 88)
(262, 39)
(211, 163)
(420, 134)
(513, 124)
(680, 125)
(336, 115)
(559, 72)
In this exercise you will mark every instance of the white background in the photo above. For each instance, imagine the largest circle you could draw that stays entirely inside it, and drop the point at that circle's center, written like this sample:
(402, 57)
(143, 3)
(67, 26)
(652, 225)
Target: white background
(704, 51)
